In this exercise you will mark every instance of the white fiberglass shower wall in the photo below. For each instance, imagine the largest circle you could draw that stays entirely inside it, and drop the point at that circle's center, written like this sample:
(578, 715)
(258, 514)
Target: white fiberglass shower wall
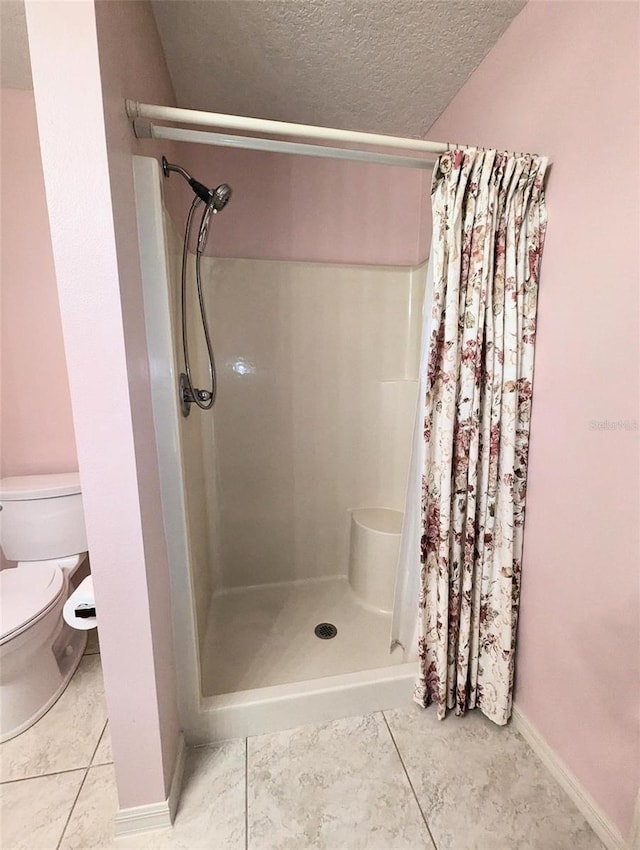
(317, 372)
(314, 291)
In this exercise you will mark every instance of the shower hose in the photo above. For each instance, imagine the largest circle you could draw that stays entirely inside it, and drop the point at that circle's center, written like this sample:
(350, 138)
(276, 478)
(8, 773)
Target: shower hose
(203, 398)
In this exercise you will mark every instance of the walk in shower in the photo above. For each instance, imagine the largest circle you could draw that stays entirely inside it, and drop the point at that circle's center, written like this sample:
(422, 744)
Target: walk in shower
(294, 481)
(308, 449)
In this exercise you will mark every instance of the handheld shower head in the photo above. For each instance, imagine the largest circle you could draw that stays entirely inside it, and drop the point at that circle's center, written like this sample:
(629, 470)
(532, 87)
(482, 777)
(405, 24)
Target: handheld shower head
(220, 197)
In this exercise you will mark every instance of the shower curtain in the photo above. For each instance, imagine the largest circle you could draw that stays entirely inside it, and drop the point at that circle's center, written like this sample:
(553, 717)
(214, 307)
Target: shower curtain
(462, 539)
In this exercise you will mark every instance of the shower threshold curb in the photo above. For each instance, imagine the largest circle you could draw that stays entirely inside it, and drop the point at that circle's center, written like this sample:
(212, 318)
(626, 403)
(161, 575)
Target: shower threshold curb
(278, 707)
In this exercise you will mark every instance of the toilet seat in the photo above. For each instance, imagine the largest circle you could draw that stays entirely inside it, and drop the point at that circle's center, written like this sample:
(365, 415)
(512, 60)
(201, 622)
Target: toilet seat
(26, 595)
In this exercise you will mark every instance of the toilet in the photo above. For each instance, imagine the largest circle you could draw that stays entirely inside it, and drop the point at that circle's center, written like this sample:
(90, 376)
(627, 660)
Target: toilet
(42, 528)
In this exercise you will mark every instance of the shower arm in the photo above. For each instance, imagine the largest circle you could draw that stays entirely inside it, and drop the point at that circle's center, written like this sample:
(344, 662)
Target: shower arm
(200, 189)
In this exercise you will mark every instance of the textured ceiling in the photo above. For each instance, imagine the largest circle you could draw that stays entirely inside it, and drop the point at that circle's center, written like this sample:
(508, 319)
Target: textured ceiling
(15, 67)
(389, 66)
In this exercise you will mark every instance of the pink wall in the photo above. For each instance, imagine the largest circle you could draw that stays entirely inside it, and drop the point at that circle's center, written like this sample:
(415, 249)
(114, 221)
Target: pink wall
(132, 65)
(302, 208)
(88, 178)
(35, 419)
(563, 81)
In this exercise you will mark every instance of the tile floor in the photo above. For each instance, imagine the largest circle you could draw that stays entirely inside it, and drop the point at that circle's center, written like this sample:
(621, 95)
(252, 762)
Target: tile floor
(397, 780)
(273, 640)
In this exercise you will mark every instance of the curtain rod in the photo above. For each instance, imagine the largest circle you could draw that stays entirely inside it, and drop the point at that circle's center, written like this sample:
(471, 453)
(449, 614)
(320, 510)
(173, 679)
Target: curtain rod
(278, 128)
(148, 130)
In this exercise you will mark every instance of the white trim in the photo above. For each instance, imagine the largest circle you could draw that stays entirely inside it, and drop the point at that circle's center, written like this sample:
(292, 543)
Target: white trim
(139, 819)
(634, 840)
(601, 824)
(155, 265)
(154, 816)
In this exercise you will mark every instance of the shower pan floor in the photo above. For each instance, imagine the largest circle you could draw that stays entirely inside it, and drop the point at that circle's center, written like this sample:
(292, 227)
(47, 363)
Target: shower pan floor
(264, 635)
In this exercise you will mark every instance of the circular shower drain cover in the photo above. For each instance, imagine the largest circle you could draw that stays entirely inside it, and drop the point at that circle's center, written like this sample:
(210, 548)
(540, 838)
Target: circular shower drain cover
(325, 631)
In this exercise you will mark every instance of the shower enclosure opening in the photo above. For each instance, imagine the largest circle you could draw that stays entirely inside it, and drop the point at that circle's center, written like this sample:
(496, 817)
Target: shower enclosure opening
(294, 483)
(306, 452)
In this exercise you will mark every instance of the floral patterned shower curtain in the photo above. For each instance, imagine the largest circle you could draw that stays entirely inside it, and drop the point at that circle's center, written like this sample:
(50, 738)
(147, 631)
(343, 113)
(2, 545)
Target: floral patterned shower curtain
(489, 224)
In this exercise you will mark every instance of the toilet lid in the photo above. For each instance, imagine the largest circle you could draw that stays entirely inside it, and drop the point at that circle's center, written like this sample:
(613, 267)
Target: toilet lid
(25, 593)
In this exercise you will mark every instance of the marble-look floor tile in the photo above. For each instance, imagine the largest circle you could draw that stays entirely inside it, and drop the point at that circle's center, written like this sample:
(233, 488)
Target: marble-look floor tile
(92, 821)
(213, 802)
(103, 754)
(481, 786)
(34, 811)
(331, 785)
(66, 736)
(211, 812)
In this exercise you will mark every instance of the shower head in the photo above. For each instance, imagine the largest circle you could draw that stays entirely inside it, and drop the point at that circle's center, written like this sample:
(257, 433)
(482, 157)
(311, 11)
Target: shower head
(220, 197)
(216, 199)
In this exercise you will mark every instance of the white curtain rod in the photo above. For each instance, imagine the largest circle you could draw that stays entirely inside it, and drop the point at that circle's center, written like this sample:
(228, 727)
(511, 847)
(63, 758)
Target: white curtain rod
(148, 130)
(278, 128)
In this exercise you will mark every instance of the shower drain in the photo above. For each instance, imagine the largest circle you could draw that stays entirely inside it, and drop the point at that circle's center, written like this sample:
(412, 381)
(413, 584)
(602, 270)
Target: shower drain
(325, 631)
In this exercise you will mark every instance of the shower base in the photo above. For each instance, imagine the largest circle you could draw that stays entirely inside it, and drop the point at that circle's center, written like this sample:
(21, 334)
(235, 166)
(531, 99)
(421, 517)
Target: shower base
(263, 636)
(263, 669)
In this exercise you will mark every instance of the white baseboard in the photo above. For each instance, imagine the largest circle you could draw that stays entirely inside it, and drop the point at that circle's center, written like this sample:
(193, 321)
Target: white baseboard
(604, 828)
(635, 827)
(155, 815)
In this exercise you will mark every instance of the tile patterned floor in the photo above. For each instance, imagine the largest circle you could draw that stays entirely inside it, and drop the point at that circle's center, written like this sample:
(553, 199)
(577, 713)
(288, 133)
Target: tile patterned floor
(66, 737)
(398, 780)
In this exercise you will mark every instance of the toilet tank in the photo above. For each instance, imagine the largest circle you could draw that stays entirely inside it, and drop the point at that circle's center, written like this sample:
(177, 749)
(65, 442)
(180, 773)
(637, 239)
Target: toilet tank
(41, 517)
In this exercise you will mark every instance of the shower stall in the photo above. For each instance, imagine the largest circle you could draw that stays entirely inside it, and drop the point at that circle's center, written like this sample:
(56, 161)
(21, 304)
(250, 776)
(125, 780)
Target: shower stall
(307, 452)
(284, 500)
